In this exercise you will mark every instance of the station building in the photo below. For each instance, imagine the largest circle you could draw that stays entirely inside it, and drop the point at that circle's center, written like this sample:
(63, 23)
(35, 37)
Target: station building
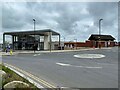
(33, 40)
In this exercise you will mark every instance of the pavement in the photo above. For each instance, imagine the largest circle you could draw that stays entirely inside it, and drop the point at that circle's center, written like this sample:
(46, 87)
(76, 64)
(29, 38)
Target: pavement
(64, 70)
(48, 51)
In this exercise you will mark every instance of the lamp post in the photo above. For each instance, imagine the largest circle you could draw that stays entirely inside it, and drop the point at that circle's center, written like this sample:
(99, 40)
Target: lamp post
(100, 26)
(34, 34)
(100, 32)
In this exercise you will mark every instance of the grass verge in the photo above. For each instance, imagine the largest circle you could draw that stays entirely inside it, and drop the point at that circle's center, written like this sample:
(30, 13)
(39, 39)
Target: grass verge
(12, 76)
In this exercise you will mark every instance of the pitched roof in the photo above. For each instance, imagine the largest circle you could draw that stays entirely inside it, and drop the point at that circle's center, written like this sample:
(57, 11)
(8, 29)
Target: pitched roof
(101, 37)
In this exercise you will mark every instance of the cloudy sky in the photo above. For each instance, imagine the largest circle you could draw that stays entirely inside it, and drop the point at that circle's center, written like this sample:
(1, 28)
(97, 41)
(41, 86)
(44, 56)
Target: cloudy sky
(73, 20)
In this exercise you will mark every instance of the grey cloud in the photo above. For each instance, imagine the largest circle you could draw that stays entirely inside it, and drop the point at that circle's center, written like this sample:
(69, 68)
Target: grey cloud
(105, 10)
(64, 17)
(68, 13)
(11, 19)
(108, 11)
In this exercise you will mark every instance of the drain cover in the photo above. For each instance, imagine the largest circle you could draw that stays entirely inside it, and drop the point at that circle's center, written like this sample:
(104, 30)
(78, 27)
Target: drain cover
(89, 56)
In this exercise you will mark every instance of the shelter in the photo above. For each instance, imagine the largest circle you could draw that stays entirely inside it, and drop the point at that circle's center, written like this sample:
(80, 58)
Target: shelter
(31, 40)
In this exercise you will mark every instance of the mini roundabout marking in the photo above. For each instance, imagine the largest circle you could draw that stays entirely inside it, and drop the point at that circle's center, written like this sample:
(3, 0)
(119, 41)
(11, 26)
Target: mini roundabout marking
(89, 56)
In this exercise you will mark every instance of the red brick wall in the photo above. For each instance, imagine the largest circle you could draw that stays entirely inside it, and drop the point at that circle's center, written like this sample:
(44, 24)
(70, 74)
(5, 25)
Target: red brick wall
(112, 44)
(102, 44)
(89, 44)
(80, 44)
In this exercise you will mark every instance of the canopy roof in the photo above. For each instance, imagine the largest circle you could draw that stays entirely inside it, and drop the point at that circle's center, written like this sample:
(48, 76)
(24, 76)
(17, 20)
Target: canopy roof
(36, 32)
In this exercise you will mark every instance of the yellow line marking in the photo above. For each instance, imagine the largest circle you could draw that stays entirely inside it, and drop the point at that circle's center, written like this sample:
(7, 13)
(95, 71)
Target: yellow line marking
(32, 76)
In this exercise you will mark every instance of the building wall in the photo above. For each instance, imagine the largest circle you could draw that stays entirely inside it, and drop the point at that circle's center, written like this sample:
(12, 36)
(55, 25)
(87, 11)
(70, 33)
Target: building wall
(80, 44)
(90, 44)
(112, 44)
(55, 45)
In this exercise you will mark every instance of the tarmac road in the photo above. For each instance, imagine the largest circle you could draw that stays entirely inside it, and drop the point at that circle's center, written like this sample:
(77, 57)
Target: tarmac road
(64, 70)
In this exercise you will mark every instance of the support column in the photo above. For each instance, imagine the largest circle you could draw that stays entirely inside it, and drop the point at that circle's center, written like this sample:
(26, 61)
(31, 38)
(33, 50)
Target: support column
(3, 42)
(46, 42)
(59, 40)
(15, 38)
(13, 42)
(50, 41)
(38, 44)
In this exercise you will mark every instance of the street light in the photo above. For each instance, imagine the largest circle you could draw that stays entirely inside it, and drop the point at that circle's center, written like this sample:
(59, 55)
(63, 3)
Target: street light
(100, 32)
(34, 34)
(100, 26)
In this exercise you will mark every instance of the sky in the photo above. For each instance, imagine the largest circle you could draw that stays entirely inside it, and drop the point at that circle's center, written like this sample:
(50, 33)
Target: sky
(73, 20)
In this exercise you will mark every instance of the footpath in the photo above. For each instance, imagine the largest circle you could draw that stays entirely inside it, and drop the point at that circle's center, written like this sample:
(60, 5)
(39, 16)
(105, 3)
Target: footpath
(48, 51)
(32, 51)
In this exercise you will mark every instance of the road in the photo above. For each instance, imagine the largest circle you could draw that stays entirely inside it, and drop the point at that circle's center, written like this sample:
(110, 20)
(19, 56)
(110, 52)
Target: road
(64, 70)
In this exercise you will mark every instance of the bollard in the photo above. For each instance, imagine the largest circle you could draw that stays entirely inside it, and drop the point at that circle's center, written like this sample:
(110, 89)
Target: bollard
(11, 52)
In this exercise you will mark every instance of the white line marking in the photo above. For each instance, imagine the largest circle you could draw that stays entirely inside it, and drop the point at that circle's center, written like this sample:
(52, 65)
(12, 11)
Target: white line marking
(36, 55)
(63, 64)
(105, 64)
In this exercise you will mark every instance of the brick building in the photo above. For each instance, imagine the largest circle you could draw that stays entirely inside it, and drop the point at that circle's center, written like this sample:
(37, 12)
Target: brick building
(94, 41)
(102, 40)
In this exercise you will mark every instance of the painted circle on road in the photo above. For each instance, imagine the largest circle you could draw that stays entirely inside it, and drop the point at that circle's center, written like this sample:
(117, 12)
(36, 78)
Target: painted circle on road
(89, 56)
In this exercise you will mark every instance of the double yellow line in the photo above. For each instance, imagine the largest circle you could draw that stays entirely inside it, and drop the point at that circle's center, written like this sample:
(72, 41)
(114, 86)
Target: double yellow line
(48, 85)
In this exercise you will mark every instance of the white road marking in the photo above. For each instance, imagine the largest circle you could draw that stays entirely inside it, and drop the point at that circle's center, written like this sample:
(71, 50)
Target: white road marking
(89, 56)
(106, 48)
(36, 55)
(63, 64)
(105, 64)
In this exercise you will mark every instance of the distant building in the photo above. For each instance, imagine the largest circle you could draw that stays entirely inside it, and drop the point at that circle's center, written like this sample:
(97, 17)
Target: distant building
(102, 40)
(94, 41)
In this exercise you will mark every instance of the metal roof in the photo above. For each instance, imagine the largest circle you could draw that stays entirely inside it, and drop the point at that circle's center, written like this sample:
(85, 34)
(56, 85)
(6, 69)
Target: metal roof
(101, 37)
(37, 32)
